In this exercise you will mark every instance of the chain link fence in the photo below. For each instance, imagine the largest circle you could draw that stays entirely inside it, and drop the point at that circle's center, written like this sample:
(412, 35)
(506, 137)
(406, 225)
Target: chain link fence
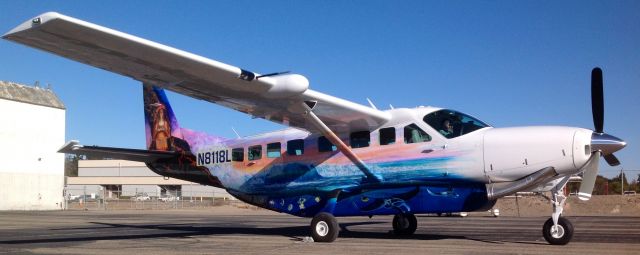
(86, 199)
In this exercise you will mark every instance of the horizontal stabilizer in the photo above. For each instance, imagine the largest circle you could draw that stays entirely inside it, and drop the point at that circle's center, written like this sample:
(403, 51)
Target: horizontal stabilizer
(148, 156)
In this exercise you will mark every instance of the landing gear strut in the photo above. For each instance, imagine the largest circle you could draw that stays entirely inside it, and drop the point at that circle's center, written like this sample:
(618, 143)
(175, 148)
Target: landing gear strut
(404, 224)
(324, 228)
(558, 230)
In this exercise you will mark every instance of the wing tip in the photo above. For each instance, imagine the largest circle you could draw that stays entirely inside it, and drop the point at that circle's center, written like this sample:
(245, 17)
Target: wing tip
(33, 22)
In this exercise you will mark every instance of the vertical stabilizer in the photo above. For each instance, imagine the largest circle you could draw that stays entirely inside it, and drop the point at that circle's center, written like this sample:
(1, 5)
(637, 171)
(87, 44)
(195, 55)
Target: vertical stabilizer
(161, 126)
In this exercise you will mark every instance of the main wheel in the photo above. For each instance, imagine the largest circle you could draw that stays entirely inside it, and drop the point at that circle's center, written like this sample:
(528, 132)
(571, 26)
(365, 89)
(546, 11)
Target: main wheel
(404, 224)
(560, 235)
(324, 228)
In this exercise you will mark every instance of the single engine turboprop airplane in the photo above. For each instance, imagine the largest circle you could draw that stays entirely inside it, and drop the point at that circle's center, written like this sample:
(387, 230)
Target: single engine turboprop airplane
(337, 158)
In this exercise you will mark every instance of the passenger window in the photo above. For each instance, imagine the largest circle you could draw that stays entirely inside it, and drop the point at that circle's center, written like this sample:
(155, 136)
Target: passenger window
(295, 147)
(273, 150)
(255, 152)
(413, 134)
(387, 136)
(325, 145)
(360, 139)
(237, 154)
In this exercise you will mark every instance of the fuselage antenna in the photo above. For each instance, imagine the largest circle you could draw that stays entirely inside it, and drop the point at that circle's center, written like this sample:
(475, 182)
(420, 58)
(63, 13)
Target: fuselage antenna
(234, 130)
(371, 103)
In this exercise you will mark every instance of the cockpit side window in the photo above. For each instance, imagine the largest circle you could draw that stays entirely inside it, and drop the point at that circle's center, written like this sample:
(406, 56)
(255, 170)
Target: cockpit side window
(451, 124)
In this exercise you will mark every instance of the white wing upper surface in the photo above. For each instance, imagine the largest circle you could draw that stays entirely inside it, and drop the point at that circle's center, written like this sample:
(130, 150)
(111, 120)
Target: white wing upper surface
(275, 98)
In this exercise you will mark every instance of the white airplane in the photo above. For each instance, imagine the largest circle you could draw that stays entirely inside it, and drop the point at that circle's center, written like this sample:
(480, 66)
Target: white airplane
(337, 158)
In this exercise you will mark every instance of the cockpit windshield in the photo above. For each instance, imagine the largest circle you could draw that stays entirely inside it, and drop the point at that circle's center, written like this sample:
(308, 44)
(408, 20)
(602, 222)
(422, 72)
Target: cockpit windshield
(452, 124)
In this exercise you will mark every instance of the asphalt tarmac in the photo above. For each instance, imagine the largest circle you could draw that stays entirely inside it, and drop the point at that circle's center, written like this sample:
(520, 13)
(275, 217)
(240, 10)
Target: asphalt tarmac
(228, 230)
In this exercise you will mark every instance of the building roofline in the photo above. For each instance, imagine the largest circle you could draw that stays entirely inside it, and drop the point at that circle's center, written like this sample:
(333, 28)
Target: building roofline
(35, 95)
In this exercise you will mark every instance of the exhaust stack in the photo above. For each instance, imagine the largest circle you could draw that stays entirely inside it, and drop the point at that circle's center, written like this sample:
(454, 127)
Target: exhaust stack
(498, 190)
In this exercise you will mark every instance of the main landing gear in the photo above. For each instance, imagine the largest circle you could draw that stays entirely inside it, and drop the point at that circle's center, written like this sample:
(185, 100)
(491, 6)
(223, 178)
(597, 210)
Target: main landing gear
(324, 228)
(558, 230)
(404, 224)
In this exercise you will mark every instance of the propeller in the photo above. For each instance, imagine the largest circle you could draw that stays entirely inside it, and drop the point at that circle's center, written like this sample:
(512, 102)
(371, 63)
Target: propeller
(597, 99)
(601, 144)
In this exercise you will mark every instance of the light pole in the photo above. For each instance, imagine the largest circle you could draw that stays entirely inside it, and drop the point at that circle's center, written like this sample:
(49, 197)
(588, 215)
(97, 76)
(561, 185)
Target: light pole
(622, 181)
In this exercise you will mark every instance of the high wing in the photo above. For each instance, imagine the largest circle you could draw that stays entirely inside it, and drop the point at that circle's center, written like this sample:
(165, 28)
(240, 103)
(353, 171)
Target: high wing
(276, 98)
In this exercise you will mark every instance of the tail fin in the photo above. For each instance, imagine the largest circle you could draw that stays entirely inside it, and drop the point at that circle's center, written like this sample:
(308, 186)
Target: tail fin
(165, 134)
(161, 126)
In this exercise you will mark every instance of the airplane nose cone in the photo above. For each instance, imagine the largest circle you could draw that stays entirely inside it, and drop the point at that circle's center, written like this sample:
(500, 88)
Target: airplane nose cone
(605, 143)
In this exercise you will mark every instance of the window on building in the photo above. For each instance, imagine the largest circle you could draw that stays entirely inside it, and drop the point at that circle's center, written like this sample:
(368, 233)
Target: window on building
(255, 152)
(325, 145)
(273, 150)
(387, 136)
(295, 147)
(237, 154)
(360, 139)
(413, 134)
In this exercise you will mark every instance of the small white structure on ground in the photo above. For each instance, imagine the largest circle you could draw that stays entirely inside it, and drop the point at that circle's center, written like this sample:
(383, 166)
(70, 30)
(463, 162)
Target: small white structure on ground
(32, 129)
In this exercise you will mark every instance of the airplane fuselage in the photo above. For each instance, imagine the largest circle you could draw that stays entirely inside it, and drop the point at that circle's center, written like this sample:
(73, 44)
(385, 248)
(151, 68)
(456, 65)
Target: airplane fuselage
(300, 173)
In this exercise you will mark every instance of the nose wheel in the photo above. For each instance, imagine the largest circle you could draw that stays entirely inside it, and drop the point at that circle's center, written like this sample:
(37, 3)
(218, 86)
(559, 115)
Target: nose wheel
(324, 228)
(404, 224)
(559, 234)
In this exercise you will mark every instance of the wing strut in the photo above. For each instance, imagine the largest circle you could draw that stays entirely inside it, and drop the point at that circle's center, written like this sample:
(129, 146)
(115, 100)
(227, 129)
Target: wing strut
(317, 122)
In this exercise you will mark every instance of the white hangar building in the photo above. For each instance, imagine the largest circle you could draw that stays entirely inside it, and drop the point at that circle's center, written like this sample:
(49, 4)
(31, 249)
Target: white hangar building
(111, 179)
(32, 129)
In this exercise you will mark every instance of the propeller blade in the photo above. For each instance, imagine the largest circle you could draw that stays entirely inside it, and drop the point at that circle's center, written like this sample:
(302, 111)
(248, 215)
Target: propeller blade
(589, 177)
(597, 99)
(611, 160)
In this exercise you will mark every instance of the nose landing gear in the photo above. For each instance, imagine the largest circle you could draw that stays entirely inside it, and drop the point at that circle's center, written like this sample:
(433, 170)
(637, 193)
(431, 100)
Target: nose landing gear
(559, 234)
(558, 230)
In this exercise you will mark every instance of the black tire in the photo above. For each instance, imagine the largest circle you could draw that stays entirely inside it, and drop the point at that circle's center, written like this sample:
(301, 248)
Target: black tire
(404, 224)
(562, 238)
(324, 228)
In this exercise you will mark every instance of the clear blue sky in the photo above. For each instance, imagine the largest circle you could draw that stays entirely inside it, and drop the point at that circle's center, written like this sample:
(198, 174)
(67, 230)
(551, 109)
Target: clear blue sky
(509, 63)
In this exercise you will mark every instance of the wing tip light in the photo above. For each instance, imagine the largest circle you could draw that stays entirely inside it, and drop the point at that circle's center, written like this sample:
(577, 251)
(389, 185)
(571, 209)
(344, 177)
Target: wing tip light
(33, 22)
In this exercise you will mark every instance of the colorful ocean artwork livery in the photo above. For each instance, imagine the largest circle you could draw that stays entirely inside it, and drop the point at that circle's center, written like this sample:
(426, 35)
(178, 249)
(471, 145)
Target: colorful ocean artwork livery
(307, 180)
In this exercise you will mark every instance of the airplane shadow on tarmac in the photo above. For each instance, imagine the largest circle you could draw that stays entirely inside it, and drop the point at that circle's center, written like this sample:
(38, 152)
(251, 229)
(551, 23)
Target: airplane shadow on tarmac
(187, 230)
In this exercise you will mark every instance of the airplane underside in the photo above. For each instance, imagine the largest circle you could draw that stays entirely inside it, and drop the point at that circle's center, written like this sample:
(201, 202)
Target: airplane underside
(305, 190)
(418, 199)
